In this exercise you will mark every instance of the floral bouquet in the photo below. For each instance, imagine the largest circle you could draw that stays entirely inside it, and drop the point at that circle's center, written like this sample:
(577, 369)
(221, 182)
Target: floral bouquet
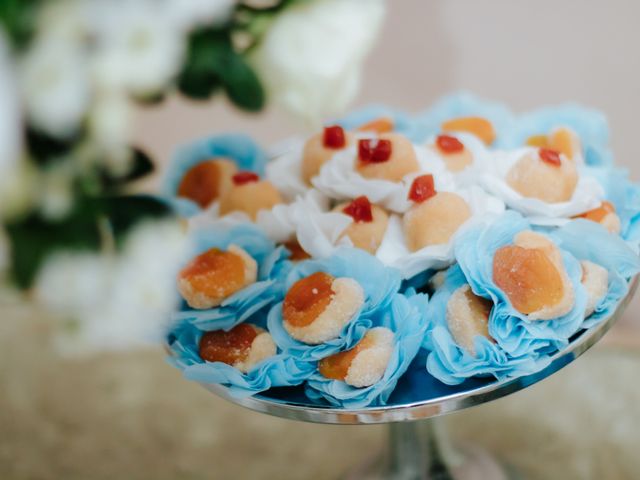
(75, 230)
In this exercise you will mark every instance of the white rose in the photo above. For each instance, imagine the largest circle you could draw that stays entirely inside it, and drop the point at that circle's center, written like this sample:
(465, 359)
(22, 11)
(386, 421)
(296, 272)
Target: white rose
(74, 284)
(116, 301)
(5, 254)
(66, 20)
(190, 14)
(56, 190)
(140, 49)
(10, 121)
(311, 56)
(110, 126)
(56, 88)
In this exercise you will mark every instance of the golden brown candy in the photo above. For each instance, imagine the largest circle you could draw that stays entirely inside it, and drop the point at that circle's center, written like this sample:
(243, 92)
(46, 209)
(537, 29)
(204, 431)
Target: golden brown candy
(367, 235)
(435, 220)
(528, 277)
(315, 154)
(598, 214)
(562, 139)
(207, 181)
(535, 177)
(228, 347)
(250, 198)
(215, 273)
(337, 366)
(565, 141)
(378, 125)
(605, 215)
(479, 126)
(307, 299)
(402, 160)
(468, 317)
(297, 252)
(539, 141)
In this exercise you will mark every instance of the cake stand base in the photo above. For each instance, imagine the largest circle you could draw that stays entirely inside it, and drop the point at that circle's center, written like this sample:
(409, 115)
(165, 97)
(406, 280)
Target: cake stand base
(423, 451)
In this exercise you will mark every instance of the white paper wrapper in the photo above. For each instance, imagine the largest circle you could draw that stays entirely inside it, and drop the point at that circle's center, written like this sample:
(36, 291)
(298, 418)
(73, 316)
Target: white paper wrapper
(481, 158)
(284, 171)
(210, 219)
(307, 218)
(394, 252)
(587, 196)
(338, 179)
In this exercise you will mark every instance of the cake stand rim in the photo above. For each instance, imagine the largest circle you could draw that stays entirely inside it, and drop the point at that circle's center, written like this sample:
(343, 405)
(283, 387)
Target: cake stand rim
(436, 406)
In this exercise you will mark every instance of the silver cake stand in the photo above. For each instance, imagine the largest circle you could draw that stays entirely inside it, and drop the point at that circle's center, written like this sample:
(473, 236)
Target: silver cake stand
(418, 446)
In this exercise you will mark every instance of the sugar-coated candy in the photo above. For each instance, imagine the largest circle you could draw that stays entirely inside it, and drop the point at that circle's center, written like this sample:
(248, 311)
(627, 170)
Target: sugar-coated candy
(215, 275)
(364, 364)
(373, 161)
(317, 307)
(544, 175)
(532, 275)
(242, 347)
(468, 317)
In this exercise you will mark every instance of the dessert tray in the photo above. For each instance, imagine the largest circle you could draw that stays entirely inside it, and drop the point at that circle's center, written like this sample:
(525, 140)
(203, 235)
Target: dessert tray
(397, 267)
(417, 395)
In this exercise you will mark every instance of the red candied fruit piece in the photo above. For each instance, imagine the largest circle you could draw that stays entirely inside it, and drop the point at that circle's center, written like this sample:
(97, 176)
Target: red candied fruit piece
(449, 144)
(227, 347)
(242, 178)
(334, 137)
(374, 150)
(422, 188)
(550, 156)
(360, 210)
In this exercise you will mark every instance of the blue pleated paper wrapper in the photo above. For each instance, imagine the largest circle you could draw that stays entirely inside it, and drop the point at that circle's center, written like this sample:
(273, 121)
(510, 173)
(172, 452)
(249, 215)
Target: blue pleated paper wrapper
(278, 371)
(464, 104)
(475, 249)
(586, 240)
(590, 125)
(450, 363)
(379, 283)
(240, 148)
(405, 317)
(272, 270)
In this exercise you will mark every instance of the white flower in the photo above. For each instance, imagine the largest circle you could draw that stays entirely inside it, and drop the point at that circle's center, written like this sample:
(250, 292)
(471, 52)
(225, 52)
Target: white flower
(64, 20)
(5, 253)
(311, 57)
(10, 126)
(116, 301)
(110, 127)
(72, 284)
(56, 191)
(190, 14)
(56, 89)
(140, 49)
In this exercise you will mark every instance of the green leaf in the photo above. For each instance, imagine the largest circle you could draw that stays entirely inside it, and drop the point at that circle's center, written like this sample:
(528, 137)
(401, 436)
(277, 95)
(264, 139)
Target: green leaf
(140, 168)
(212, 63)
(124, 212)
(199, 78)
(18, 18)
(45, 149)
(34, 239)
(241, 83)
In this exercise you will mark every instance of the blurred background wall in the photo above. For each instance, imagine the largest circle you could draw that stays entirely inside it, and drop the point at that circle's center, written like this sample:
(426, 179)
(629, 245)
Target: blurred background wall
(524, 53)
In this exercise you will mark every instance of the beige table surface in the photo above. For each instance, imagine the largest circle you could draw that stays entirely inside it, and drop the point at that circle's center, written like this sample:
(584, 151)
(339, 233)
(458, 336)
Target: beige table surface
(131, 416)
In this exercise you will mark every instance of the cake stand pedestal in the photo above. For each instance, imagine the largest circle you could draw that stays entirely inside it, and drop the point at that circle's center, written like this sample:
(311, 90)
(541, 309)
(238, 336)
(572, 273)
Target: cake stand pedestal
(418, 447)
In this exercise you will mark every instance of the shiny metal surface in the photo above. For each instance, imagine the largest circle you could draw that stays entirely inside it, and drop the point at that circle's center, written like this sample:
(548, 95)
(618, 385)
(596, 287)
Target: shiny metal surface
(418, 395)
